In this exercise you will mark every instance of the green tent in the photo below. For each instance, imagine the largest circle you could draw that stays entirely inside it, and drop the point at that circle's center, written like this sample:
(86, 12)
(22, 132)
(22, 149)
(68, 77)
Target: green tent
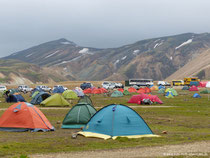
(117, 94)
(161, 91)
(35, 93)
(78, 116)
(126, 92)
(69, 94)
(206, 91)
(174, 92)
(55, 100)
(85, 99)
(185, 88)
(169, 94)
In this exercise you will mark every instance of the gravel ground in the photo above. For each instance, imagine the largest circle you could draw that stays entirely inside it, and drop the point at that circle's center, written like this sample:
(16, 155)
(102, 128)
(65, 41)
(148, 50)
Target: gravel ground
(191, 149)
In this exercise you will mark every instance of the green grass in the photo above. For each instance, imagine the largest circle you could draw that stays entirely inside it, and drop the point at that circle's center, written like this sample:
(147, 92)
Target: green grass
(187, 121)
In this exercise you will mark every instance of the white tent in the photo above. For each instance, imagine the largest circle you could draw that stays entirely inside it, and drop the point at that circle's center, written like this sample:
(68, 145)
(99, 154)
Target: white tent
(208, 85)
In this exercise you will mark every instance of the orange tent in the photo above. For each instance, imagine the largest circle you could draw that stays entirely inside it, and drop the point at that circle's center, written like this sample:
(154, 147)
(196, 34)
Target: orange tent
(131, 90)
(96, 91)
(147, 90)
(86, 91)
(104, 90)
(24, 116)
(121, 90)
(141, 90)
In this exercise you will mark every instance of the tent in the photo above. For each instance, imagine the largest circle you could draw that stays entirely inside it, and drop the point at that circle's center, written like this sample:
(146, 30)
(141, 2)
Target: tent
(126, 92)
(34, 94)
(97, 91)
(117, 120)
(15, 98)
(135, 86)
(120, 89)
(137, 99)
(160, 87)
(39, 98)
(161, 91)
(203, 84)
(79, 92)
(87, 91)
(174, 92)
(36, 90)
(196, 95)
(58, 89)
(147, 90)
(24, 116)
(154, 88)
(131, 90)
(206, 91)
(193, 88)
(141, 90)
(78, 116)
(69, 94)
(185, 88)
(117, 93)
(195, 83)
(13, 91)
(55, 100)
(85, 99)
(169, 94)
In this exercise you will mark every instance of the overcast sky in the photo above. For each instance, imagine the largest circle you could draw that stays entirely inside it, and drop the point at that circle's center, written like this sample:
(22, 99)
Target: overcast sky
(97, 23)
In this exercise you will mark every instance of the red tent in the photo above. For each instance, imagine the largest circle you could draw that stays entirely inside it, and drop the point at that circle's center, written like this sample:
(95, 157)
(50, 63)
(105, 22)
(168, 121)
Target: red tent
(24, 116)
(138, 98)
(97, 91)
(147, 90)
(203, 84)
(121, 90)
(103, 90)
(193, 88)
(131, 90)
(87, 91)
(141, 90)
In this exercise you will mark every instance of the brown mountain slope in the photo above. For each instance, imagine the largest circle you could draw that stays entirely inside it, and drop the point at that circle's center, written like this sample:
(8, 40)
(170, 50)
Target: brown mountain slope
(199, 66)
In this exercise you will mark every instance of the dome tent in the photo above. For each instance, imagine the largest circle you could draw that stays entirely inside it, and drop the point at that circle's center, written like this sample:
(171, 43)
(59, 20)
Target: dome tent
(40, 97)
(196, 95)
(85, 99)
(69, 94)
(15, 98)
(78, 116)
(23, 116)
(117, 93)
(55, 100)
(117, 120)
(169, 94)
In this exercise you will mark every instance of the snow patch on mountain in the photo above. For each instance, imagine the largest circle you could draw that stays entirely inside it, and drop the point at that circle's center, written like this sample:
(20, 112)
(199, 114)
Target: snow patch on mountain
(85, 51)
(123, 58)
(184, 43)
(52, 54)
(29, 55)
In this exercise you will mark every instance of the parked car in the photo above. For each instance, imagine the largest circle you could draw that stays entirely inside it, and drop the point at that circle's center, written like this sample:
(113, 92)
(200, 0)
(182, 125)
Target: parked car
(44, 88)
(119, 85)
(108, 85)
(163, 83)
(86, 85)
(24, 88)
(3, 88)
(65, 88)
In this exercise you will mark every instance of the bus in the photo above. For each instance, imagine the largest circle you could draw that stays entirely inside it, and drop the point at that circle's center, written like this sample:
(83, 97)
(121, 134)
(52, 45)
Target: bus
(187, 80)
(178, 83)
(139, 82)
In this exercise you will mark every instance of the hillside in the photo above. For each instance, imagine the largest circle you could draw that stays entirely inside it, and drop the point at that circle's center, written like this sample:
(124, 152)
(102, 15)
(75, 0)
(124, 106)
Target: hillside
(155, 58)
(199, 66)
(18, 72)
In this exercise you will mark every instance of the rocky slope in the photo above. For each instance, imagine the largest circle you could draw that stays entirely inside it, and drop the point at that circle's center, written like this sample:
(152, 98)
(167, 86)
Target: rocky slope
(155, 58)
(18, 72)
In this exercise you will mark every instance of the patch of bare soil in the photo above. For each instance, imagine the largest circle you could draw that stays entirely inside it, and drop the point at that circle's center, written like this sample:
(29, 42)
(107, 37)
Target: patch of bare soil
(191, 149)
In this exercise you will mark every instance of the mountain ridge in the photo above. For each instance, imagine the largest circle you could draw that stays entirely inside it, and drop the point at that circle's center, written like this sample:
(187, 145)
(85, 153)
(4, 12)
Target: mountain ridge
(155, 58)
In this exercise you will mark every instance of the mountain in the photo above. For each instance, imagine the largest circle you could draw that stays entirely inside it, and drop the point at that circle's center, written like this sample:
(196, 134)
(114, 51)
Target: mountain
(19, 72)
(155, 58)
(200, 67)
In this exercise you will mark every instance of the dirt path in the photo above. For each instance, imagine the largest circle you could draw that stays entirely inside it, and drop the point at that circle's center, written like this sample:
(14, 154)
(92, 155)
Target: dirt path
(53, 108)
(191, 149)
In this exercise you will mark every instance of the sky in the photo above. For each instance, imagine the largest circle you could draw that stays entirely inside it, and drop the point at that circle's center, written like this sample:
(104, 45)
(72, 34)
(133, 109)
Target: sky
(97, 23)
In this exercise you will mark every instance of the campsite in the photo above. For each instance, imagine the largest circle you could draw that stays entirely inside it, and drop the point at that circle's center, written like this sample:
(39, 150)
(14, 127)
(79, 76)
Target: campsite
(179, 120)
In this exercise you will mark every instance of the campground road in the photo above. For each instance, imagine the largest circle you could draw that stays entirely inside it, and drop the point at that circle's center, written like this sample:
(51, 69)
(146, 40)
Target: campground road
(196, 149)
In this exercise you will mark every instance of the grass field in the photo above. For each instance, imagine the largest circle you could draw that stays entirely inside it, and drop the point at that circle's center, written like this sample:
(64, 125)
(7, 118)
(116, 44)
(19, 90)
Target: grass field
(185, 119)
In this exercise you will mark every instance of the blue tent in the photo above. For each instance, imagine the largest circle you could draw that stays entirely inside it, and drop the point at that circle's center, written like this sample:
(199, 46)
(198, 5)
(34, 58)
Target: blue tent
(160, 87)
(196, 95)
(36, 89)
(15, 98)
(117, 120)
(169, 94)
(59, 90)
(39, 98)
